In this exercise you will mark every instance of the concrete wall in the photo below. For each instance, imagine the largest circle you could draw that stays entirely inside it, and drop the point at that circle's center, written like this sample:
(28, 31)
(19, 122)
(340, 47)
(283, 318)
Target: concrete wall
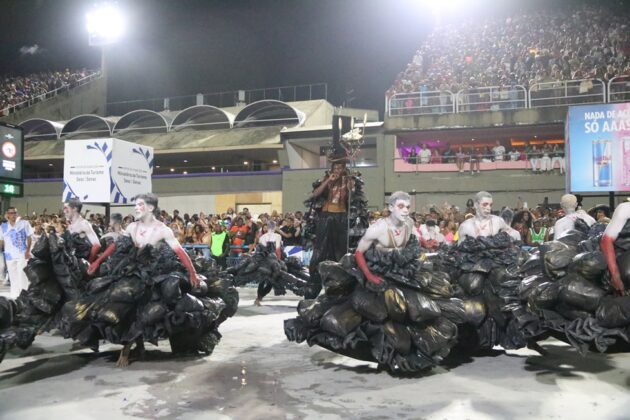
(90, 98)
(213, 193)
(477, 119)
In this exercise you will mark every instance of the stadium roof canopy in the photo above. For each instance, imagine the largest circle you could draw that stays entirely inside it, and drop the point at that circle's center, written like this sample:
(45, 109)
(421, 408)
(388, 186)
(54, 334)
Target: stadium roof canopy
(202, 117)
(41, 129)
(87, 126)
(142, 121)
(269, 112)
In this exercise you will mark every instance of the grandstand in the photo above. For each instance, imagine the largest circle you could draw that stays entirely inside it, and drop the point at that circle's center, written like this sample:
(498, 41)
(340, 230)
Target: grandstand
(448, 95)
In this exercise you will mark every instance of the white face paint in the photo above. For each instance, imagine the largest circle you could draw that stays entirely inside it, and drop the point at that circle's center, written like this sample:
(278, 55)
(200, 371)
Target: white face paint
(67, 212)
(400, 210)
(484, 207)
(141, 209)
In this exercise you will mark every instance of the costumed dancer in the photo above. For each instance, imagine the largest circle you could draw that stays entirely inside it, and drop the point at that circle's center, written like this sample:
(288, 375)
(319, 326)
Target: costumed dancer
(272, 240)
(144, 296)
(569, 203)
(331, 228)
(267, 267)
(479, 266)
(485, 223)
(574, 287)
(336, 216)
(385, 307)
(78, 226)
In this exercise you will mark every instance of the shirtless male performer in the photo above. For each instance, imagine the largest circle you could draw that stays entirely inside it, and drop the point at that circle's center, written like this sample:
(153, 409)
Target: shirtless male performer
(77, 224)
(619, 219)
(147, 230)
(568, 202)
(485, 223)
(390, 232)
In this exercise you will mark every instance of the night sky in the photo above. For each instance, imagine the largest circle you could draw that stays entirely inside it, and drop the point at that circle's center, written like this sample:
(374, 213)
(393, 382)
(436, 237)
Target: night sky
(182, 47)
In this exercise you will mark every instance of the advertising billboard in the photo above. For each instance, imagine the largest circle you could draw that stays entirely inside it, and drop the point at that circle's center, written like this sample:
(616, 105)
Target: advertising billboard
(598, 148)
(106, 170)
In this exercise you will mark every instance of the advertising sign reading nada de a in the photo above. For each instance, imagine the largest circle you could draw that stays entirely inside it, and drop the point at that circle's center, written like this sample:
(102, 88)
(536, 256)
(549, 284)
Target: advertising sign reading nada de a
(106, 170)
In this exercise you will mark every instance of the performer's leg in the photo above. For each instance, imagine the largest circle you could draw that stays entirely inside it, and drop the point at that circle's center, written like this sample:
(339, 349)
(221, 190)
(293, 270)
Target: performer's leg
(339, 236)
(123, 359)
(264, 287)
(140, 350)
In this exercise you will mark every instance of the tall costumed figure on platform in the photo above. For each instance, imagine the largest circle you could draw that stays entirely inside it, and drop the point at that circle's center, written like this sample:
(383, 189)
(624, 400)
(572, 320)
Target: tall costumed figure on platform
(336, 215)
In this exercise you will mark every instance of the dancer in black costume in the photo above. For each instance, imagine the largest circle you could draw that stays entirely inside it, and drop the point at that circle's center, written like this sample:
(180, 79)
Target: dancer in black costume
(380, 309)
(143, 294)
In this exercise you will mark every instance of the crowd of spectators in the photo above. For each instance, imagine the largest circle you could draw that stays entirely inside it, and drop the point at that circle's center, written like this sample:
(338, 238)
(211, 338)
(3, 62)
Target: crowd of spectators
(543, 158)
(227, 236)
(571, 43)
(22, 91)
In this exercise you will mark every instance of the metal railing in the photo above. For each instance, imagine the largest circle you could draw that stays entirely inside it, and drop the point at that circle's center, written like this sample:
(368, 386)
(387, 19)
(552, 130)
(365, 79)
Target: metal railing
(422, 103)
(619, 89)
(50, 94)
(502, 98)
(491, 98)
(223, 99)
(567, 92)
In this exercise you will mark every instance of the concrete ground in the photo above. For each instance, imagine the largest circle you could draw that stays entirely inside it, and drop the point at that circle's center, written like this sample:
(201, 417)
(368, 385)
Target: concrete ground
(256, 373)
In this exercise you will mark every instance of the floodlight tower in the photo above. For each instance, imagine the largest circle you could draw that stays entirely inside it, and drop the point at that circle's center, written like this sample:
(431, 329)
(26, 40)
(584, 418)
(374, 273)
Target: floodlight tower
(105, 25)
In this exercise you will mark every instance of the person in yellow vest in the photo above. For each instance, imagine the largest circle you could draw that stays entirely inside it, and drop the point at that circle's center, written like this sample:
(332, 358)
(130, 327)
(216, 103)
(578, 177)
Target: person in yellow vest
(537, 234)
(220, 245)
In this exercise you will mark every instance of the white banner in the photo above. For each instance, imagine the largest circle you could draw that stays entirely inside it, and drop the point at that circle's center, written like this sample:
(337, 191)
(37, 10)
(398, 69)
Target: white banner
(106, 170)
(131, 171)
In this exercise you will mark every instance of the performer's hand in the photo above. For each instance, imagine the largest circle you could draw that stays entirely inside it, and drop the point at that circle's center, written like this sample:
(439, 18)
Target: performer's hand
(617, 284)
(195, 280)
(27, 254)
(374, 279)
(93, 267)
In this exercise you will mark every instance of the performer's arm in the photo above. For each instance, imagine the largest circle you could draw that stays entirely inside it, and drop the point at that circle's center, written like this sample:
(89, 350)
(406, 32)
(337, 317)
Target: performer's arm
(364, 244)
(97, 263)
(323, 186)
(91, 235)
(619, 219)
(278, 249)
(182, 255)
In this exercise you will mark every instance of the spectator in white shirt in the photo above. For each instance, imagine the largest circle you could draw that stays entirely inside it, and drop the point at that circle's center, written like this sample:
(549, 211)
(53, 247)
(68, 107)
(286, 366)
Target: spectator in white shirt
(498, 151)
(515, 155)
(15, 240)
(425, 154)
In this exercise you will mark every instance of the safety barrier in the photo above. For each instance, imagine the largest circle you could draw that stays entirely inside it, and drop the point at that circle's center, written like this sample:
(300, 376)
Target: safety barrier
(567, 92)
(422, 103)
(502, 98)
(491, 98)
(619, 89)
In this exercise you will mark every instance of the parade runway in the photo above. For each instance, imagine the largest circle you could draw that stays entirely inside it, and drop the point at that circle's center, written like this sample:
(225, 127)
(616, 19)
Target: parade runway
(256, 373)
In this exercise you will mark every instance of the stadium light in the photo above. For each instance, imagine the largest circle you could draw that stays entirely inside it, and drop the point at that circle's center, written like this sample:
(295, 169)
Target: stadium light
(105, 24)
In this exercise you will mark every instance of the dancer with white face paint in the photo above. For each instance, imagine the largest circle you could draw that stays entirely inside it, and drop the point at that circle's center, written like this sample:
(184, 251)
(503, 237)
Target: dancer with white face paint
(147, 230)
(568, 202)
(617, 223)
(485, 223)
(78, 225)
(391, 232)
